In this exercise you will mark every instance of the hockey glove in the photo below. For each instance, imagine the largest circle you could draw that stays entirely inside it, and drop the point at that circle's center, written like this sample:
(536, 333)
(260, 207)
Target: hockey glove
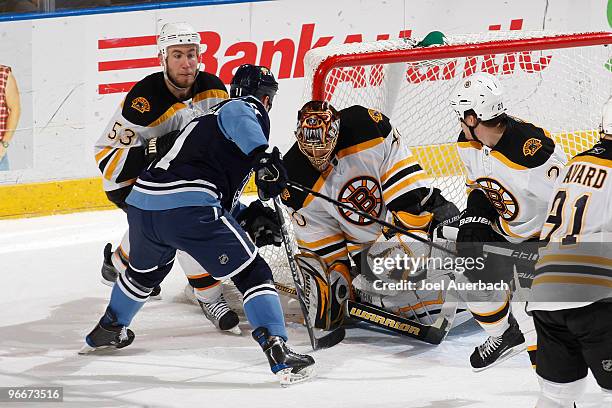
(475, 226)
(159, 146)
(261, 223)
(270, 174)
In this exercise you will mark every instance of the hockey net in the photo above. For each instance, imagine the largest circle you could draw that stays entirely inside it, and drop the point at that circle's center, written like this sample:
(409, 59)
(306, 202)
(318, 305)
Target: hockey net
(556, 81)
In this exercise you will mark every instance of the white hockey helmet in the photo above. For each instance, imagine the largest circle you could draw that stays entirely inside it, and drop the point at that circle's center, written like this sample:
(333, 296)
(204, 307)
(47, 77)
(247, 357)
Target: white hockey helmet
(480, 92)
(606, 118)
(177, 34)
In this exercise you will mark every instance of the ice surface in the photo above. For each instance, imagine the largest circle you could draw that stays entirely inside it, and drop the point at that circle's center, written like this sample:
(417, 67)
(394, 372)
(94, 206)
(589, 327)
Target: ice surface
(51, 296)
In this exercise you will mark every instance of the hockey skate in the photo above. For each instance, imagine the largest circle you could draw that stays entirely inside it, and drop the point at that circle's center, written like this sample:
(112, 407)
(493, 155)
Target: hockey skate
(219, 313)
(289, 366)
(110, 273)
(108, 333)
(497, 349)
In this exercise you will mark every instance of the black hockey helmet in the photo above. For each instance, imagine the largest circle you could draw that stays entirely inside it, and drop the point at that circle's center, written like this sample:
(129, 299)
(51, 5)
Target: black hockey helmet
(253, 80)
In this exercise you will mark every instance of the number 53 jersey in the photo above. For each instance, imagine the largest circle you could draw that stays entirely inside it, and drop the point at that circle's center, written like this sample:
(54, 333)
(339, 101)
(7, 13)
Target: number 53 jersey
(149, 110)
(372, 170)
(517, 175)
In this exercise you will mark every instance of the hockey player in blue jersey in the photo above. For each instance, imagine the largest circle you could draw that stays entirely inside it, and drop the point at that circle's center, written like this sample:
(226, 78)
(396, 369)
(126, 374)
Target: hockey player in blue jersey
(184, 201)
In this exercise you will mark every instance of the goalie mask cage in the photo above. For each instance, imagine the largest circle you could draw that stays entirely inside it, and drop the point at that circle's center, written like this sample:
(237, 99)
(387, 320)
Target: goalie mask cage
(557, 81)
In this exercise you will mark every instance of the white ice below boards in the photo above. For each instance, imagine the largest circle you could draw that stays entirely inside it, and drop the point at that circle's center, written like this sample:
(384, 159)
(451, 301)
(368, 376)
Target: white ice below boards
(51, 295)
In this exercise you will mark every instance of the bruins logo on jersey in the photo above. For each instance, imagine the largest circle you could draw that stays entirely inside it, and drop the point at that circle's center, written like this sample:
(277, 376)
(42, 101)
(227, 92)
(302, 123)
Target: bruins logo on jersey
(375, 115)
(364, 194)
(504, 202)
(285, 195)
(531, 146)
(141, 104)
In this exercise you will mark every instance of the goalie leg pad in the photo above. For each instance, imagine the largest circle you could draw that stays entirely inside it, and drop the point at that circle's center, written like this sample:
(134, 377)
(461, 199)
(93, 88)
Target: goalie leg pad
(316, 289)
(341, 289)
(325, 289)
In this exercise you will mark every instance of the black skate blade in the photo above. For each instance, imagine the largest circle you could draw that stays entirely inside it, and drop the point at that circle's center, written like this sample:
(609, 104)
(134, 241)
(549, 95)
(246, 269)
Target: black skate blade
(330, 339)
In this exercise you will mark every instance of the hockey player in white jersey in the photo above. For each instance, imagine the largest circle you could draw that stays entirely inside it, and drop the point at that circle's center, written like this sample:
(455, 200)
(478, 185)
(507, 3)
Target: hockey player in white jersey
(510, 169)
(355, 156)
(159, 104)
(571, 297)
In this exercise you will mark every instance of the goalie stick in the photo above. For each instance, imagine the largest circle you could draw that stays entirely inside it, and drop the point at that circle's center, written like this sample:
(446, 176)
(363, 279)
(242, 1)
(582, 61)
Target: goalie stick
(432, 334)
(335, 336)
(521, 256)
(401, 230)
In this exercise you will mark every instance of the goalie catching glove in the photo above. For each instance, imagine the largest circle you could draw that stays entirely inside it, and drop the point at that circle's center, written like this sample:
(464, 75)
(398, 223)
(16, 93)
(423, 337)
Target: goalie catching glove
(261, 223)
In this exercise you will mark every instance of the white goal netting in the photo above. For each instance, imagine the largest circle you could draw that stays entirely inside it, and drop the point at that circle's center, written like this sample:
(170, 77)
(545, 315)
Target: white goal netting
(556, 81)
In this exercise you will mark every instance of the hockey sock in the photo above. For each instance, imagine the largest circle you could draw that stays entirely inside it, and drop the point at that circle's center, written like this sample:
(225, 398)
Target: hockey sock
(127, 298)
(261, 303)
(492, 315)
(263, 309)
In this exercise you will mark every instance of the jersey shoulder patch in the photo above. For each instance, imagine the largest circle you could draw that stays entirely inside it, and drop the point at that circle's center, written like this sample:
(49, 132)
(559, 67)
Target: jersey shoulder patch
(209, 86)
(359, 125)
(525, 144)
(602, 151)
(148, 100)
(300, 170)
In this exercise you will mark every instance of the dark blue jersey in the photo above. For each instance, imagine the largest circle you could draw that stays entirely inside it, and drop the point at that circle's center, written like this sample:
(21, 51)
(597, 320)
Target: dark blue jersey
(210, 161)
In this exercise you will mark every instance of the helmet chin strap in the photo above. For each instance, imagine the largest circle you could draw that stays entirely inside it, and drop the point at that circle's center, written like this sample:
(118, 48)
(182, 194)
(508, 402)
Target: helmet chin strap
(472, 132)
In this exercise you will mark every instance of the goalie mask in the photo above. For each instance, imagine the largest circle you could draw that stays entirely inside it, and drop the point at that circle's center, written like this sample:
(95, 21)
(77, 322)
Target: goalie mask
(317, 132)
(172, 34)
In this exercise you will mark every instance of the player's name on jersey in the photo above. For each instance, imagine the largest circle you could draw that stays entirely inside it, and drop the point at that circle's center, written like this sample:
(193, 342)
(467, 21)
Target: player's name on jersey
(441, 285)
(590, 176)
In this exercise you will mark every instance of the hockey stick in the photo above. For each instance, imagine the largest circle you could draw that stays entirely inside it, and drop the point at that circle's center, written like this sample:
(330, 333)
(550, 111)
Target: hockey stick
(522, 256)
(518, 255)
(401, 230)
(335, 336)
(432, 334)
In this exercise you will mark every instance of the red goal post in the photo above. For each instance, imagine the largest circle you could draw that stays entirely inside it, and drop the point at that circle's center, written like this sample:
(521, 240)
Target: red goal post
(557, 81)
